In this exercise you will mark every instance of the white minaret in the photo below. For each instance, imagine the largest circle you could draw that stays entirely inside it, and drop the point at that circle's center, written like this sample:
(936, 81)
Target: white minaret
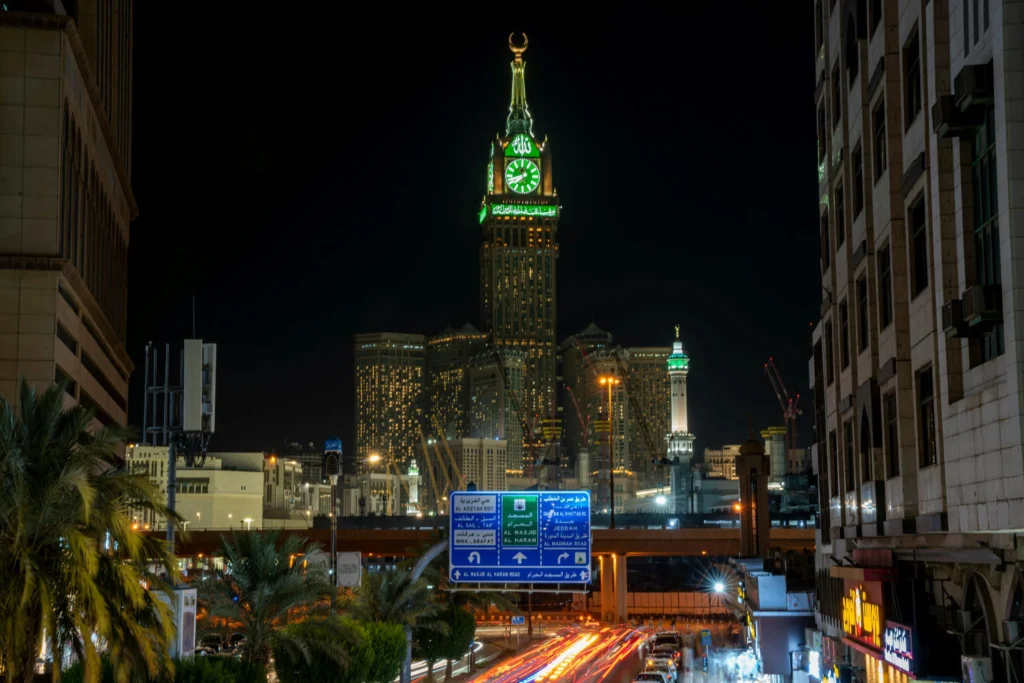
(680, 440)
(414, 489)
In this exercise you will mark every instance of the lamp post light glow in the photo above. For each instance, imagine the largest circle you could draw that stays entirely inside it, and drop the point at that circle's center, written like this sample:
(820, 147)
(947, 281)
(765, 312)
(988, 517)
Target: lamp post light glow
(719, 586)
(660, 500)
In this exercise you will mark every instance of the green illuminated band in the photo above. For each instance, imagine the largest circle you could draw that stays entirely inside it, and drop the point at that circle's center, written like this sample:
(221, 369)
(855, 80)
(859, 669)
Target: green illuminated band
(523, 210)
(678, 363)
(483, 213)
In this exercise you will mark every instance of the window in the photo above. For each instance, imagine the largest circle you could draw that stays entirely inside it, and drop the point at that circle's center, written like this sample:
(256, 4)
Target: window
(840, 216)
(844, 335)
(822, 139)
(986, 222)
(874, 15)
(852, 58)
(858, 182)
(848, 452)
(862, 314)
(890, 434)
(911, 79)
(866, 464)
(833, 463)
(967, 28)
(926, 417)
(984, 13)
(818, 28)
(976, 33)
(884, 288)
(830, 373)
(837, 97)
(826, 245)
(919, 247)
(878, 120)
(67, 339)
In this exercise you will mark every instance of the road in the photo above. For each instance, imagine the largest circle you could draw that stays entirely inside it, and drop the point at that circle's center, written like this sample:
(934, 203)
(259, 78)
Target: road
(575, 655)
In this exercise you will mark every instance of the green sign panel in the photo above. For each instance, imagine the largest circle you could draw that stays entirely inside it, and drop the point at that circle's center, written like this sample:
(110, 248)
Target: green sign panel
(522, 146)
(519, 521)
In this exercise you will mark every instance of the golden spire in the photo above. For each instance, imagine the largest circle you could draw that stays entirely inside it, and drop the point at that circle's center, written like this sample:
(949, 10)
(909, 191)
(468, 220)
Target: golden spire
(519, 119)
(677, 331)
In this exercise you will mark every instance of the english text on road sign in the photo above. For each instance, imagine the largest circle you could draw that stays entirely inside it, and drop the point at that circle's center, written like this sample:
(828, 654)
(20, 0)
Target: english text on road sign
(519, 537)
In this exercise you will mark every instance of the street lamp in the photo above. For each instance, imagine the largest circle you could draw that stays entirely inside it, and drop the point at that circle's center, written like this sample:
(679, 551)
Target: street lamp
(610, 381)
(248, 523)
(199, 518)
(719, 586)
(660, 500)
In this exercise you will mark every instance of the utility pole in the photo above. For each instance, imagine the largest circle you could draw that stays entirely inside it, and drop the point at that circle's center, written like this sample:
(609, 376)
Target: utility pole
(333, 468)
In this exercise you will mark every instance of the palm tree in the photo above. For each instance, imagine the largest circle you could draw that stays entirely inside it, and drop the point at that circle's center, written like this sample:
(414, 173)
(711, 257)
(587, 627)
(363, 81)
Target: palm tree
(270, 579)
(71, 566)
(396, 598)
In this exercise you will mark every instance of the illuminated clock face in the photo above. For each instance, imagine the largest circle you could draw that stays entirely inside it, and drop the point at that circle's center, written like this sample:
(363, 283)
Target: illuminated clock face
(522, 175)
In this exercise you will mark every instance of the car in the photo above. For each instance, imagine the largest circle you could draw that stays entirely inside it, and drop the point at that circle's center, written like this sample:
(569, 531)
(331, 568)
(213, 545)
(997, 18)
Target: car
(668, 650)
(213, 642)
(651, 677)
(665, 665)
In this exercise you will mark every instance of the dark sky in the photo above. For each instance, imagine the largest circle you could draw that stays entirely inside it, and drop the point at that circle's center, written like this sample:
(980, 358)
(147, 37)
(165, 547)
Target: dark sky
(308, 180)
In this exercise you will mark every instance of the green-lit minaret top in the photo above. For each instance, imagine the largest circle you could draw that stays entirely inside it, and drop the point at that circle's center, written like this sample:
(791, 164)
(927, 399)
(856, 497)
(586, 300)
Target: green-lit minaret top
(678, 360)
(519, 119)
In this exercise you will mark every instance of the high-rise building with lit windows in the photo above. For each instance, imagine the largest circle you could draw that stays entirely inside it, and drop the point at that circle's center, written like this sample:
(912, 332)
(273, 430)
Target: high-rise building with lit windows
(390, 400)
(575, 367)
(916, 363)
(447, 357)
(648, 386)
(519, 219)
(66, 200)
(495, 386)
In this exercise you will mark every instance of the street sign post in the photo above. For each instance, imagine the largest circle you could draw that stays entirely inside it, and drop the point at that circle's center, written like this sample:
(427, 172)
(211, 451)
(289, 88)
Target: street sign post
(519, 537)
(518, 620)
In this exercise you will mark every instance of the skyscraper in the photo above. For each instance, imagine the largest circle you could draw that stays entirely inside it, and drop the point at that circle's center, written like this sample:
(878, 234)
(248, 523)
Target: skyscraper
(648, 386)
(574, 359)
(448, 355)
(389, 396)
(519, 219)
(66, 198)
(493, 413)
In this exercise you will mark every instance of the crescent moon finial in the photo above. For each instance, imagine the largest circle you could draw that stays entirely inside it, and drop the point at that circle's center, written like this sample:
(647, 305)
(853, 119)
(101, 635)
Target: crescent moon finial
(518, 50)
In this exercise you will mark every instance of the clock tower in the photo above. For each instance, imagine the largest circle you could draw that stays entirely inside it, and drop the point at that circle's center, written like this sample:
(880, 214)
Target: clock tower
(519, 221)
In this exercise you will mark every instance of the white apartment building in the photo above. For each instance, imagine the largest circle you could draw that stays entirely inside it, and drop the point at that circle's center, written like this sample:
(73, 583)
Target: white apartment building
(225, 493)
(282, 483)
(916, 363)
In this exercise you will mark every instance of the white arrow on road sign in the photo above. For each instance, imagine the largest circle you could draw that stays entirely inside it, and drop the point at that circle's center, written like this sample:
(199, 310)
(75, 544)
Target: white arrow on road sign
(457, 574)
(519, 557)
(563, 556)
(476, 555)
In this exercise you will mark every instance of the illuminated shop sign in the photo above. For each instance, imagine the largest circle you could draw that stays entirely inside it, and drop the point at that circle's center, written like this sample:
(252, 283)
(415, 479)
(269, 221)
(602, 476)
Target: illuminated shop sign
(862, 620)
(898, 646)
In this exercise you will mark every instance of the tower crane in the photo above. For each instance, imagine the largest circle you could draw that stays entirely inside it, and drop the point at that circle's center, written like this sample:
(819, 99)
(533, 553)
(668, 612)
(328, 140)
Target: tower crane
(790, 411)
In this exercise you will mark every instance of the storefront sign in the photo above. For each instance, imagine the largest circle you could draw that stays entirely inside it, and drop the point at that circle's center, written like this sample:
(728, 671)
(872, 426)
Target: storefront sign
(862, 620)
(814, 664)
(899, 646)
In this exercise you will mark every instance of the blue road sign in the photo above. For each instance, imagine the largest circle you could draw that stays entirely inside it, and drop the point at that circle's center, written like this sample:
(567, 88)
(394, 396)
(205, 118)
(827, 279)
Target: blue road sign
(705, 637)
(519, 537)
(332, 444)
(518, 620)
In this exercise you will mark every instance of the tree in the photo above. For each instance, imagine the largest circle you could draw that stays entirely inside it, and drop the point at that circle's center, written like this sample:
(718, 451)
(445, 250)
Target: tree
(72, 564)
(317, 664)
(394, 597)
(450, 643)
(388, 643)
(267, 579)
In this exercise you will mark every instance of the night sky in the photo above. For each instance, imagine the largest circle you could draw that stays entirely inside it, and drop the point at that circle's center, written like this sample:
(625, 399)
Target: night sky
(308, 180)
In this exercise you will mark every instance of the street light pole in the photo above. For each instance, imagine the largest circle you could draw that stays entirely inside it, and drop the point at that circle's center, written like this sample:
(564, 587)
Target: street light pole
(611, 381)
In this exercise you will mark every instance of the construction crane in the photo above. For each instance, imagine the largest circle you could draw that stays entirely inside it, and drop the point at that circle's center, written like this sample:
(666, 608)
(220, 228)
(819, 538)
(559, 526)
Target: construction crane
(790, 411)
(528, 426)
(442, 437)
(429, 466)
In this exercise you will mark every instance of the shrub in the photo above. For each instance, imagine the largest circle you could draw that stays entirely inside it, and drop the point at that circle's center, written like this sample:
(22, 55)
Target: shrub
(328, 642)
(388, 644)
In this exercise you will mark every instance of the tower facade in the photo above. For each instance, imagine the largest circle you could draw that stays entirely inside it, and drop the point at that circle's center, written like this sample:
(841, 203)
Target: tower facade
(492, 403)
(519, 220)
(447, 383)
(65, 116)
(389, 396)
(679, 438)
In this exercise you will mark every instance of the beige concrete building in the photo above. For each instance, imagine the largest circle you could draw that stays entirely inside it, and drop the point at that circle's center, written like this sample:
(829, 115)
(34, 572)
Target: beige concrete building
(916, 363)
(66, 200)
(721, 463)
(225, 493)
(390, 372)
(482, 462)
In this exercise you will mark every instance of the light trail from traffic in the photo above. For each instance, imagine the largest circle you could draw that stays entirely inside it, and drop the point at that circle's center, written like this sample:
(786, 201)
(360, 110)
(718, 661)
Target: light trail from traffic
(608, 655)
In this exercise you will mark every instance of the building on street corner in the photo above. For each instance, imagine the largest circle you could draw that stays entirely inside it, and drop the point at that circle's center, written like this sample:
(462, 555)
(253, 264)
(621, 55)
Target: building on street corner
(916, 360)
